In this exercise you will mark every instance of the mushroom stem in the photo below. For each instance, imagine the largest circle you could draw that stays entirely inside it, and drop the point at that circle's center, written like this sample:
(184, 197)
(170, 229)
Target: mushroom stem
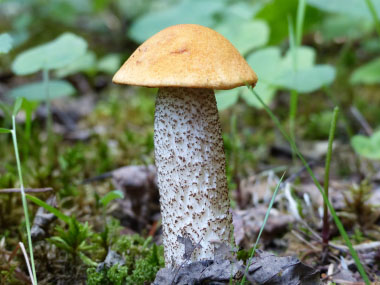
(191, 176)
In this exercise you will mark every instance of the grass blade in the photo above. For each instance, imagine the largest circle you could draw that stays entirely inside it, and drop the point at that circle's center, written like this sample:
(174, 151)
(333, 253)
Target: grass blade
(115, 194)
(326, 228)
(49, 208)
(262, 227)
(300, 19)
(23, 198)
(17, 106)
(294, 93)
(292, 44)
(374, 15)
(5, 131)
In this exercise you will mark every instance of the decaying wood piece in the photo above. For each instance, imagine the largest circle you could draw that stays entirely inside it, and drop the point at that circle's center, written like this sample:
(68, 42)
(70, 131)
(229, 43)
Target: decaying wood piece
(27, 190)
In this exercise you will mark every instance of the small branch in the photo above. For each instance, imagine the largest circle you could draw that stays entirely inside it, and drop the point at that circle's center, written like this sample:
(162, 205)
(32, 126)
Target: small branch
(293, 177)
(27, 190)
(361, 120)
(297, 235)
(364, 247)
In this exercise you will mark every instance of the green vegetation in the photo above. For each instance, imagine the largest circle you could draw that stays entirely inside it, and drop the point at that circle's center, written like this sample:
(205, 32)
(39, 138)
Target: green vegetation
(142, 261)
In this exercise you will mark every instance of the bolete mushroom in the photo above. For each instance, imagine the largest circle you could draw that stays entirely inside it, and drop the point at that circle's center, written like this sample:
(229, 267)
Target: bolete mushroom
(186, 62)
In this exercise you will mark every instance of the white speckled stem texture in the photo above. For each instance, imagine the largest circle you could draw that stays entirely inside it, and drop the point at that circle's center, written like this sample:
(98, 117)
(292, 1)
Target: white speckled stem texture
(190, 162)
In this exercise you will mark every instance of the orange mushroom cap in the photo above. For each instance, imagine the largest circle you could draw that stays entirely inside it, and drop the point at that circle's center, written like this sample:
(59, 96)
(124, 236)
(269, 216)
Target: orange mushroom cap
(186, 55)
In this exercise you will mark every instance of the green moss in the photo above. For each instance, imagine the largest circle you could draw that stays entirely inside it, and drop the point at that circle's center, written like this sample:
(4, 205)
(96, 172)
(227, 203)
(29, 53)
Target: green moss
(142, 261)
(145, 269)
(115, 275)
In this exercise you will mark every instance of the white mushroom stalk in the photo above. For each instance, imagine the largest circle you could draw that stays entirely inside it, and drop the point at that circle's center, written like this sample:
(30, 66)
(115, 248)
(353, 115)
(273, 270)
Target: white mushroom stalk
(191, 176)
(187, 62)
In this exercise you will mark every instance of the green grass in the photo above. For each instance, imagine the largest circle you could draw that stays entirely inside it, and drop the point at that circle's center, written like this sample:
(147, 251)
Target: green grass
(374, 15)
(325, 230)
(293, 93)
(23, 197)
(295, 41)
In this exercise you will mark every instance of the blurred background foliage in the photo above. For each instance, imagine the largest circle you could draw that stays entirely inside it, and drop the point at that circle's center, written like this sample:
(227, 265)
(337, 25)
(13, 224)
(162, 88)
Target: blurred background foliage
(114, 28)
(334, 59)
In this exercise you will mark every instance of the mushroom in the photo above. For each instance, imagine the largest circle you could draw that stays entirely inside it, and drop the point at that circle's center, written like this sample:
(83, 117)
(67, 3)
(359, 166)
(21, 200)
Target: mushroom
(186, 62)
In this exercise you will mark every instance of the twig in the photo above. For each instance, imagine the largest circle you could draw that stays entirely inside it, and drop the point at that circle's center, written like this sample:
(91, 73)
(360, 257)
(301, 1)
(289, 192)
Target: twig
(317, 239)
(341, 281)
(361, 120)
(13, 254)
(299, 172)
(297, 235)
(364, 247)
(30, 190)
(153, 229)
(314, 233)
(98, 177)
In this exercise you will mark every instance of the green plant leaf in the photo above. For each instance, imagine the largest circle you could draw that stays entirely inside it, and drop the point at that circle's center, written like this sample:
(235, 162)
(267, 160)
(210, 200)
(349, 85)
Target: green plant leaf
(115, 194)
(367, 74)
(6, 112)
(338, 25)
(61, 243)
(36, 91)
(226, 98)
(355, 8)
(6, 43)
(86, 62)
(86, 260)
(266, 63)
(368, 147)
(17, 106)
(244, 10)
(276, 72)
(186, 11)
(267, 93)
(244, 34)
(52, 55)
(29, 106)
(304, 58)
(276, 13)
(306, 80)
(109, 64)
(49, 208)
(5, 131)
